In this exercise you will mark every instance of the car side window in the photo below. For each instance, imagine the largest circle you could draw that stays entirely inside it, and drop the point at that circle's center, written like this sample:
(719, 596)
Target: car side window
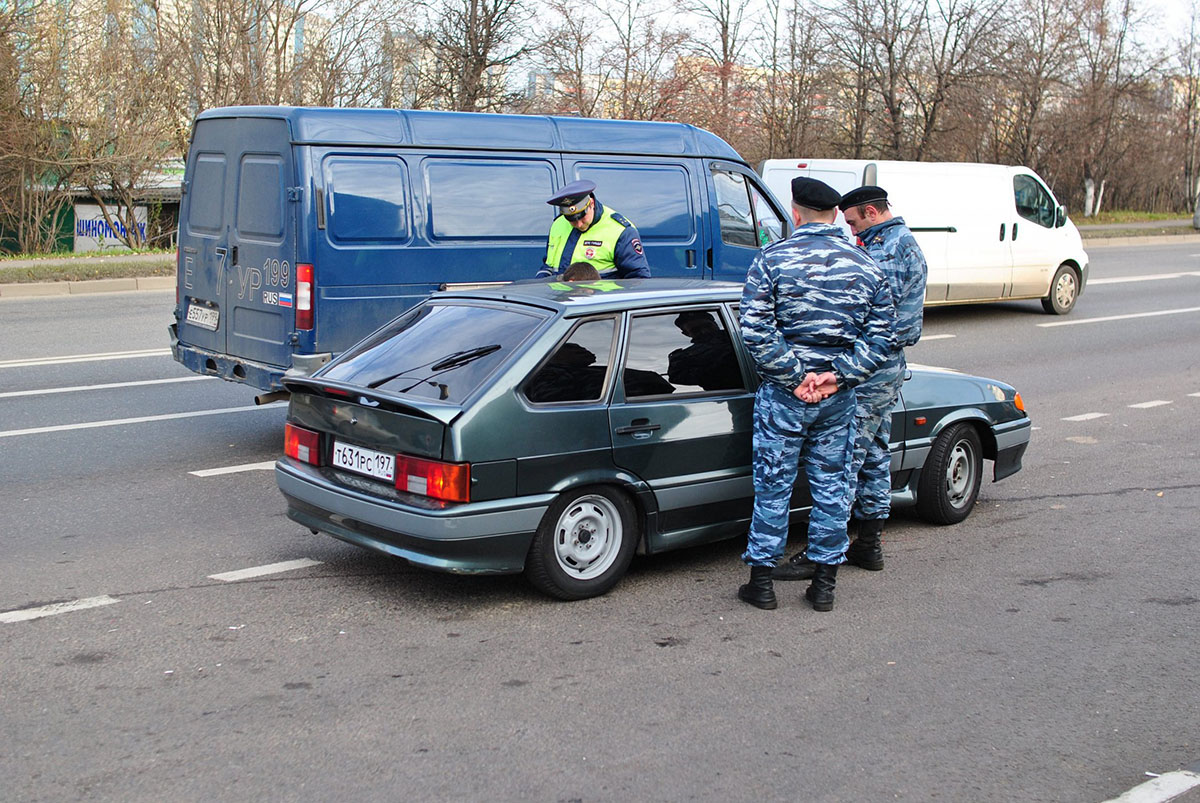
(680, 352)
(733, 209)
(577, 371)
(1033, 202)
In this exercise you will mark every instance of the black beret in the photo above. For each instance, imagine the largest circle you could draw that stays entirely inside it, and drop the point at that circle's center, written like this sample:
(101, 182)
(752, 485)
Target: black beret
(863, 195)
(813, 194)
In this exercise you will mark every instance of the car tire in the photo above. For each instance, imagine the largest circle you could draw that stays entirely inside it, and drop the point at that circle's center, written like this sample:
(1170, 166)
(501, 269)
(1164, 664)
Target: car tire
(584, 543)
(1064, 289)
(950, 478)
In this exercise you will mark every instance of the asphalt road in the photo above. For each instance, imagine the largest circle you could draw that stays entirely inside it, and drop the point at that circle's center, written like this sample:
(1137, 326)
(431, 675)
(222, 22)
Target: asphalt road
(1045, 649)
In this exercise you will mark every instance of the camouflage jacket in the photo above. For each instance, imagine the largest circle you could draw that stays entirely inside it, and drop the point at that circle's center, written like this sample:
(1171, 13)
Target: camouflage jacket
(814, 302)
(895, 250)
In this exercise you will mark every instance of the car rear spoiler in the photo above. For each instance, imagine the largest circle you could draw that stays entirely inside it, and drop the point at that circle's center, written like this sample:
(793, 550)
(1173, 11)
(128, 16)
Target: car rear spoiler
(425, 408)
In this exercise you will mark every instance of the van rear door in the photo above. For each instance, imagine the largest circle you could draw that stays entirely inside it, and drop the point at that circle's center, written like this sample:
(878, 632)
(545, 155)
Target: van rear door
(260, 288)
(237, 240)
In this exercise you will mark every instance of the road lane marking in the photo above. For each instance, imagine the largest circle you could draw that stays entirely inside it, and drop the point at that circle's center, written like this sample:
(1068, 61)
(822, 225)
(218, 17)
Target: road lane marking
(1197, 395)
(1153, 277)
(1121, 317)
(58, 607)
(1149, 404)
(47, 391)
(214, 472)
(1085, 417)
(270, 568)
(70, 358)
(139, 420)
(1167, 786)
(934, 337)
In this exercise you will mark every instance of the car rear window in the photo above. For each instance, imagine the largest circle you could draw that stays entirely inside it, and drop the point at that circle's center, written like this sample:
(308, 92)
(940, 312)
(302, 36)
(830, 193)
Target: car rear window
(436, 351)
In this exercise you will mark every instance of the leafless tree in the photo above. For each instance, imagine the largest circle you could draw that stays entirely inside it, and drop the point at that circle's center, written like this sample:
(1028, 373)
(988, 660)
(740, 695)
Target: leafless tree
(643, 60)
(572, 60)
(1188, 104)
(470, 44)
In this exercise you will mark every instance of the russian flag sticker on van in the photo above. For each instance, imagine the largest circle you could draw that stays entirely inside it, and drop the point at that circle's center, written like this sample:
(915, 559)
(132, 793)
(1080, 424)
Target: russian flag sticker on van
(285, 299)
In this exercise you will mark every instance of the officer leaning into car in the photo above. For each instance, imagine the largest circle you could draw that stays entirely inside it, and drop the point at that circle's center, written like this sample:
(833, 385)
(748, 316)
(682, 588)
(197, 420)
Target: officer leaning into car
(817, 318)
(891, 244)
(587, 231)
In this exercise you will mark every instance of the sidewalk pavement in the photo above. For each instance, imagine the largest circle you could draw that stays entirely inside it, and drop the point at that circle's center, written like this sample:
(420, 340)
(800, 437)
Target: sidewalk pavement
(34, 289)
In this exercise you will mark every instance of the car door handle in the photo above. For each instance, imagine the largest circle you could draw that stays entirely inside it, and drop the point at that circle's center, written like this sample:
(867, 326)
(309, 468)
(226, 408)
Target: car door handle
(638, 425)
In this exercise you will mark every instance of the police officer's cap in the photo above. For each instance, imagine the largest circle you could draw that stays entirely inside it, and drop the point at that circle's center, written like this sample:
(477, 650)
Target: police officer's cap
(813, 194)
(863, 195)
(572, 200)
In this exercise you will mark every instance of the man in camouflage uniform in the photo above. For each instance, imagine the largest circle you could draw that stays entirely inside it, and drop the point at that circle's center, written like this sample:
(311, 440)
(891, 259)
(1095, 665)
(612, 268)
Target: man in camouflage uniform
(817, 318)
(890, 243)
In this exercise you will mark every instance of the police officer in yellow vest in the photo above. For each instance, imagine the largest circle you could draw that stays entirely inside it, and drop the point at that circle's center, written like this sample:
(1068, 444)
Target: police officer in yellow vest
(587, 231)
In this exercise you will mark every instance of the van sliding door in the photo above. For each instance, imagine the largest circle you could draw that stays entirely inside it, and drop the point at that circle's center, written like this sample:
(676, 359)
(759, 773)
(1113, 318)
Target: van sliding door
(659, 196)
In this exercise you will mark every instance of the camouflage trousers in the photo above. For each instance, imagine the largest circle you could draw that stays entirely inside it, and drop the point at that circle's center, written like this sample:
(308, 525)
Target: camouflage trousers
(872, 464)
(787, 433)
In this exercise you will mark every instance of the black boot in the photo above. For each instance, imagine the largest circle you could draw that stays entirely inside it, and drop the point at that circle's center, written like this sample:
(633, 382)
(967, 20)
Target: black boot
(759, 592)
(867, 552)
(797, 567)
(820, 593)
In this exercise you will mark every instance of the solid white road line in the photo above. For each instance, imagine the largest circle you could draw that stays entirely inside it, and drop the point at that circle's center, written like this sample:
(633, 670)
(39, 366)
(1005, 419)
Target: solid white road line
(1147, 278)
(1085, 417)
(1149, 404)
(214, 472)
(259, 571)
(109, 386)
(139, 420)
(70, 358)
(1121, 317)
(58, 607)
(1167, 786)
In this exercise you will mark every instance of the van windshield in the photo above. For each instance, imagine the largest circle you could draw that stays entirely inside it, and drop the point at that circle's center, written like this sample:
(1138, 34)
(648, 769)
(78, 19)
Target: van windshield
(436, 351)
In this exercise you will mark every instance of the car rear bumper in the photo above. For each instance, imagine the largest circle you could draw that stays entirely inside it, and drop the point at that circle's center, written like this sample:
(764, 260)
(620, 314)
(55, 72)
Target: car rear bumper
(474, 538)
(202, 361)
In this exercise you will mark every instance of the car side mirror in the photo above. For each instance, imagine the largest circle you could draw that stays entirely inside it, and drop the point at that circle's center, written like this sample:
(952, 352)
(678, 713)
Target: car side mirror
(1060, 216)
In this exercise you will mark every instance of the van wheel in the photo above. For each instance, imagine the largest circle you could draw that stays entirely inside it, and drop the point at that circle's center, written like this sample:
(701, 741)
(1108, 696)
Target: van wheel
(1063, 291)
(584, 543)
(949, 483)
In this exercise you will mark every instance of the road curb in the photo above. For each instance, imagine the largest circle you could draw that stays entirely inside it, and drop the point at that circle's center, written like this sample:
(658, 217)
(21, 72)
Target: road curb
(37, 289)
(1104, 242)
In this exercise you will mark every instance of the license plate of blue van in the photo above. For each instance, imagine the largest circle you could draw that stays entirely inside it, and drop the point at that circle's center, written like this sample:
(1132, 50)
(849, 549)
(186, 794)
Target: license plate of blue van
(202, 316)
(380, 465)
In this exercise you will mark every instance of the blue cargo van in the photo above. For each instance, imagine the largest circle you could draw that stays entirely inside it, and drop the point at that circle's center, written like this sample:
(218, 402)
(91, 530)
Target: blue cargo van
(302, 230)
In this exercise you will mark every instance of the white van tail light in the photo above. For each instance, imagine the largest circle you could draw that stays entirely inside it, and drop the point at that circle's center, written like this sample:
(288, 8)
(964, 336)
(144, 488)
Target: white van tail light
(304, 296)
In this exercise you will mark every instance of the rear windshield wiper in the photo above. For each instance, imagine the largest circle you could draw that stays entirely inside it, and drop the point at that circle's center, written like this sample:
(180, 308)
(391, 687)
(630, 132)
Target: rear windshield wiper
(455, 360)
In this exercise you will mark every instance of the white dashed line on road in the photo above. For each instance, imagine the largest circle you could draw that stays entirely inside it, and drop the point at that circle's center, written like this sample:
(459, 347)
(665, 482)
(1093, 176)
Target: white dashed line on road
(215, 472)
(934, 337)
(1197, 395)
(1147, 278)
(56, 608)
(259, 571)
(109, 386)
(1085, 417)
(70, 358)
(116, 422)
(1167, 786)
(1121, 317)
(1147, 405)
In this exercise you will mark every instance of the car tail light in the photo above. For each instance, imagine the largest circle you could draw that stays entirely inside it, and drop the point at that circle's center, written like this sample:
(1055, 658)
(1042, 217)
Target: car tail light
(1017, 400)
(304, 296)
(449, 482)
(302, 444)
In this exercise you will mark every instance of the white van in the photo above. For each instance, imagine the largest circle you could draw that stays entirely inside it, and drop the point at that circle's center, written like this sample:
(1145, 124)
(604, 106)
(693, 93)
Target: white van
(989, 232)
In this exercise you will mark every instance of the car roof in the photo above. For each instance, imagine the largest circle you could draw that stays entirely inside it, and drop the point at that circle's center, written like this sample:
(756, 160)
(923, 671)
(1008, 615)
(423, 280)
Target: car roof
(604, 295)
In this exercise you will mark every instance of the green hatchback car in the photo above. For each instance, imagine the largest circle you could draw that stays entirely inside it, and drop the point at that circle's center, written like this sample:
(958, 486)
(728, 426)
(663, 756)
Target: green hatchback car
(558, 429)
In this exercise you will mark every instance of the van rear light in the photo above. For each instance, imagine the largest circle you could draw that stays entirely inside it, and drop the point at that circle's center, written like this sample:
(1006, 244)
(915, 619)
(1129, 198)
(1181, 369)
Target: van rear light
(449, 482)
(304, 296)
(302, 444)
